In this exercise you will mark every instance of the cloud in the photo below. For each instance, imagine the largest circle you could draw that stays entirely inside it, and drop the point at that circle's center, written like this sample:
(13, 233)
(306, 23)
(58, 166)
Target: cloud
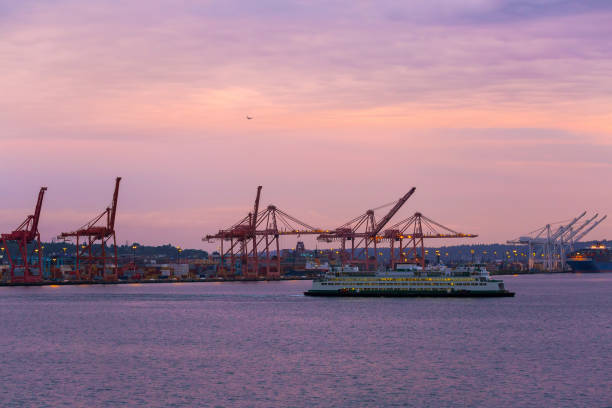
(186, 60)
(475, 102)
(486, 11)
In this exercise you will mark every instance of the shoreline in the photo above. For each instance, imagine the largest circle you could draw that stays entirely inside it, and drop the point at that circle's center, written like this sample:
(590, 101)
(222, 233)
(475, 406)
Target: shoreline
(122, 282)
(213, 280)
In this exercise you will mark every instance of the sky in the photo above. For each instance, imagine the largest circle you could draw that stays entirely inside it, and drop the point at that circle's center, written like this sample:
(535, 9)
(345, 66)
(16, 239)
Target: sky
(499, 112)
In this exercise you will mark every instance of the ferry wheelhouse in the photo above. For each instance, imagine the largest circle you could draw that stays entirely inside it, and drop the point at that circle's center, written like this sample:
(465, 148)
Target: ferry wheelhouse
(410, 280)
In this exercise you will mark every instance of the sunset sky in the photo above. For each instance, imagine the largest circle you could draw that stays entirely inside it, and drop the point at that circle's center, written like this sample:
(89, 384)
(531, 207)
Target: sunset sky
(498, 111)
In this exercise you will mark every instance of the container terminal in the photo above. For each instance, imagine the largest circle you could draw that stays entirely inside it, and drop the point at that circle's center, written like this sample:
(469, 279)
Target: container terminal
(250, 248)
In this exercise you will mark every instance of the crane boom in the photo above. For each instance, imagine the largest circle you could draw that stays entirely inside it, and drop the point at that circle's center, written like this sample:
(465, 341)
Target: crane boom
(561, 230)
(582, 234)
(573, 233)
(381, 224)
(255, 209)
(113, 210)
(36, 216)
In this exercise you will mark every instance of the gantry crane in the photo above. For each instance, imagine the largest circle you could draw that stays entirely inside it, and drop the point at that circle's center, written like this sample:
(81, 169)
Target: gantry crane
(27, 267)
(363, 233)
(412, 229)
(258, 230)
(550, 248)
(93, 261)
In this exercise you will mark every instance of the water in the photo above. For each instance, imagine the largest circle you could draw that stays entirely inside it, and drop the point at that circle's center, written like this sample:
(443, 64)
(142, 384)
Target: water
(264, 344)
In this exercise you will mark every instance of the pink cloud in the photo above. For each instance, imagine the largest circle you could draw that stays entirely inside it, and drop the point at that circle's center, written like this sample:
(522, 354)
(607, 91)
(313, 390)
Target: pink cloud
(500, 120)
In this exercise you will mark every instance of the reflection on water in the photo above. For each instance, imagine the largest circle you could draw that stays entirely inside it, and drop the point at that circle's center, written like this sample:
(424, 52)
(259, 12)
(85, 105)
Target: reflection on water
(264, 344)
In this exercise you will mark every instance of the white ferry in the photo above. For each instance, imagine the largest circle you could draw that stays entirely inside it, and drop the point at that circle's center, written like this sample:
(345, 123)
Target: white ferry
(410, 280)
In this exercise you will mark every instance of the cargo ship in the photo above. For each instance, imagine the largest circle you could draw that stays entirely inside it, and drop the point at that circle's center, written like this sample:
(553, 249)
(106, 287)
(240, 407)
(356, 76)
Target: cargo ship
(596, 258)
(409, 280)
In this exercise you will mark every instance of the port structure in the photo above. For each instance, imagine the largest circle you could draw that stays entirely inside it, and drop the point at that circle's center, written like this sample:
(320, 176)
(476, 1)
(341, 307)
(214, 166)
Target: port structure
(415, 230)
(93, 260)
(363, 234)
(549, 244)
(27, 267)
(254, 239)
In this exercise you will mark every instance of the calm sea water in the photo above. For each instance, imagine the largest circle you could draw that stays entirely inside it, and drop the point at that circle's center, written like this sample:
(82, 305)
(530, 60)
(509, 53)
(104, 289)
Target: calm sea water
(266, 345)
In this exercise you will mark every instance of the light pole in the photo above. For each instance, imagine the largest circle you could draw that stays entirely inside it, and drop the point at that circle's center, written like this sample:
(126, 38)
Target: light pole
(134, 246)
(178, 254)
(42, 261)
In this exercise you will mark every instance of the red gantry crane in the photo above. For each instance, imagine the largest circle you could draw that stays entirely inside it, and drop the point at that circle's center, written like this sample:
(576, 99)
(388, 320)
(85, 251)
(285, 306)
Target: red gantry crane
(366, 239)
(93, 261)
(253, 239)
(411, 229)
(27, 268)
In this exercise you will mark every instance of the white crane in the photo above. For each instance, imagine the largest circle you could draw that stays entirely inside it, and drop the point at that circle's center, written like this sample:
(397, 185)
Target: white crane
(582, 234)
(568, 237)
(550, 247)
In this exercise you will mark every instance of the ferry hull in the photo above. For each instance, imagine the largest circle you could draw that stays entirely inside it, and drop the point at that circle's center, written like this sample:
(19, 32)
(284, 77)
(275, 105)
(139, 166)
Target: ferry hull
(409, 293)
